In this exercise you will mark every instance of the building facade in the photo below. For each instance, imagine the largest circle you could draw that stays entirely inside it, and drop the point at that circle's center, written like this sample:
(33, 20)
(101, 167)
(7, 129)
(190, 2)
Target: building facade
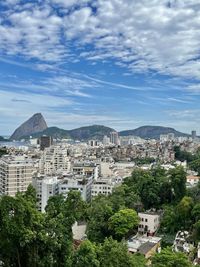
(16, 174)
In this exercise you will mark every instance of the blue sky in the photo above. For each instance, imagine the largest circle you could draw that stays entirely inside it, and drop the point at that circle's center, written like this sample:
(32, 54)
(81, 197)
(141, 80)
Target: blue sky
(120, 63)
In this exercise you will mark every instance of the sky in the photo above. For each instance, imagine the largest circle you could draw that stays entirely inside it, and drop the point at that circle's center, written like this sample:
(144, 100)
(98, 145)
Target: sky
(119, 63)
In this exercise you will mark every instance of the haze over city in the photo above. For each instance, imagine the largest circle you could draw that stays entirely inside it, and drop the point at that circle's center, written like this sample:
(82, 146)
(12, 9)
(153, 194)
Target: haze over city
(122, 64)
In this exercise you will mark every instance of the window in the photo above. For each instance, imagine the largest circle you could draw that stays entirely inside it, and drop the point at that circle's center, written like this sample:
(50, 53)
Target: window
(146, 220)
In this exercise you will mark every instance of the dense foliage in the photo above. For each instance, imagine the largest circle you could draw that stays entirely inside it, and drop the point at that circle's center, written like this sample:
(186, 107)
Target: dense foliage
(29, 238)
(3, 151)
(167, 258)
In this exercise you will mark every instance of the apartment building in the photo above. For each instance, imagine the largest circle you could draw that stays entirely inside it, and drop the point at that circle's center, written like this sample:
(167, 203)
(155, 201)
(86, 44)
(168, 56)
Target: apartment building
(16, 174)
(87, 169)
(54, 159)
(105, 186)
(79, 183)
(46, 187)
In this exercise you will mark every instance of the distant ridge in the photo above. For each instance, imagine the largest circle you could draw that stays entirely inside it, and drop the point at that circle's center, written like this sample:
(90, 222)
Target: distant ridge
(36, 127)
(33, 125)
(98, 131)
(82, 133)
(152, 132)
(2, 139)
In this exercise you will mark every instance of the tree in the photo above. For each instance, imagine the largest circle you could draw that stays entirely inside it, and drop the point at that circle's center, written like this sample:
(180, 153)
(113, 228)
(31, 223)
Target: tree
(153, 187)
(61, 214)
(168, 258)
(122, 222)
(22, 237)
(115, 254)
(183, 155)
(3, 151)
(99, 213)
(195, 165)
(30, 195)
(196, 231)
(170, 223)
(183, 211)
(124, 197)
(86, 255)
(177, 178)
(146, 186)
(196, 212)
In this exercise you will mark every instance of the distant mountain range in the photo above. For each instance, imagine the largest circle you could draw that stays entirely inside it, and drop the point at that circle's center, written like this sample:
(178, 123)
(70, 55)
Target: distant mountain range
(36, 126)
(82, 133)
(2, 139)
(152, 132)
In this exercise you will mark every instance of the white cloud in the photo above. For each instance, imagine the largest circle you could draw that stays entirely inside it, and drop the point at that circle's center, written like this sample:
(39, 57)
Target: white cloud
(17, 107)
(55, 85)
(69, 3)
(141, 35)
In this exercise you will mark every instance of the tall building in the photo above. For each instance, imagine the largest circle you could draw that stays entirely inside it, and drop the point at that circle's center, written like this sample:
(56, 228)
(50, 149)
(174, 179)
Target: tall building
(194, 134)
(16, 174)
(54, 159)
(106, 140)
(114, 138)
(93, 143)
(45, 141)
(46, 187)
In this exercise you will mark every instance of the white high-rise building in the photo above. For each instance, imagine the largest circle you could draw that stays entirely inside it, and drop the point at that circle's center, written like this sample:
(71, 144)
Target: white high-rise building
(106, 140)
(16, 174)
(114, 138)
(45, 188)
(54, 159)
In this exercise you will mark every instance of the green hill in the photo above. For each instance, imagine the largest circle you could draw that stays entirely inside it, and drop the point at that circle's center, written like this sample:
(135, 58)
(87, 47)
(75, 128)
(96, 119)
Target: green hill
(82, 133)
(152, 132)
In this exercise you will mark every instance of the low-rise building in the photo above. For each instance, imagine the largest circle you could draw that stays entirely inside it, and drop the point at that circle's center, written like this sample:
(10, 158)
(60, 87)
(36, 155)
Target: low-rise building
(182, 242)
(192, 180)
(149, 222)
(146, 245)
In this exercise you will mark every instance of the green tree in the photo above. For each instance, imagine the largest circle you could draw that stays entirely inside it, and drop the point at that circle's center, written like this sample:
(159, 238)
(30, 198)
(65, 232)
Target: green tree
(183, 155)
(170, 223)
(146, 186)
(124, 197)
(30, 195)
(196, 231)
(195, 165)
(153, 187)
(60, 216)
(183, 211)
(196, 212)
(22, 238)
(115, 254)
(177, 178)
(86, 255)
(99, 213)
(3, 151)
(122, 222)
(168, 258)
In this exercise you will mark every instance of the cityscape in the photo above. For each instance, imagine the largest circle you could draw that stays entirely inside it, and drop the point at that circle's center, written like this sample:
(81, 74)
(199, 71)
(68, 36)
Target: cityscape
(99, 133)
(106, 167)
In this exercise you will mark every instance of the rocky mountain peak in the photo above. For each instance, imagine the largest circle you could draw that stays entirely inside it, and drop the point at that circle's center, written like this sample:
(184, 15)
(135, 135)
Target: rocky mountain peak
(33, 125)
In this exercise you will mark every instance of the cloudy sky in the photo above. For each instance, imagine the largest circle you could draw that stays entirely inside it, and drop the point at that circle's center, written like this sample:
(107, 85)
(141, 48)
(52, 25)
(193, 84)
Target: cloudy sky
(121, 63)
